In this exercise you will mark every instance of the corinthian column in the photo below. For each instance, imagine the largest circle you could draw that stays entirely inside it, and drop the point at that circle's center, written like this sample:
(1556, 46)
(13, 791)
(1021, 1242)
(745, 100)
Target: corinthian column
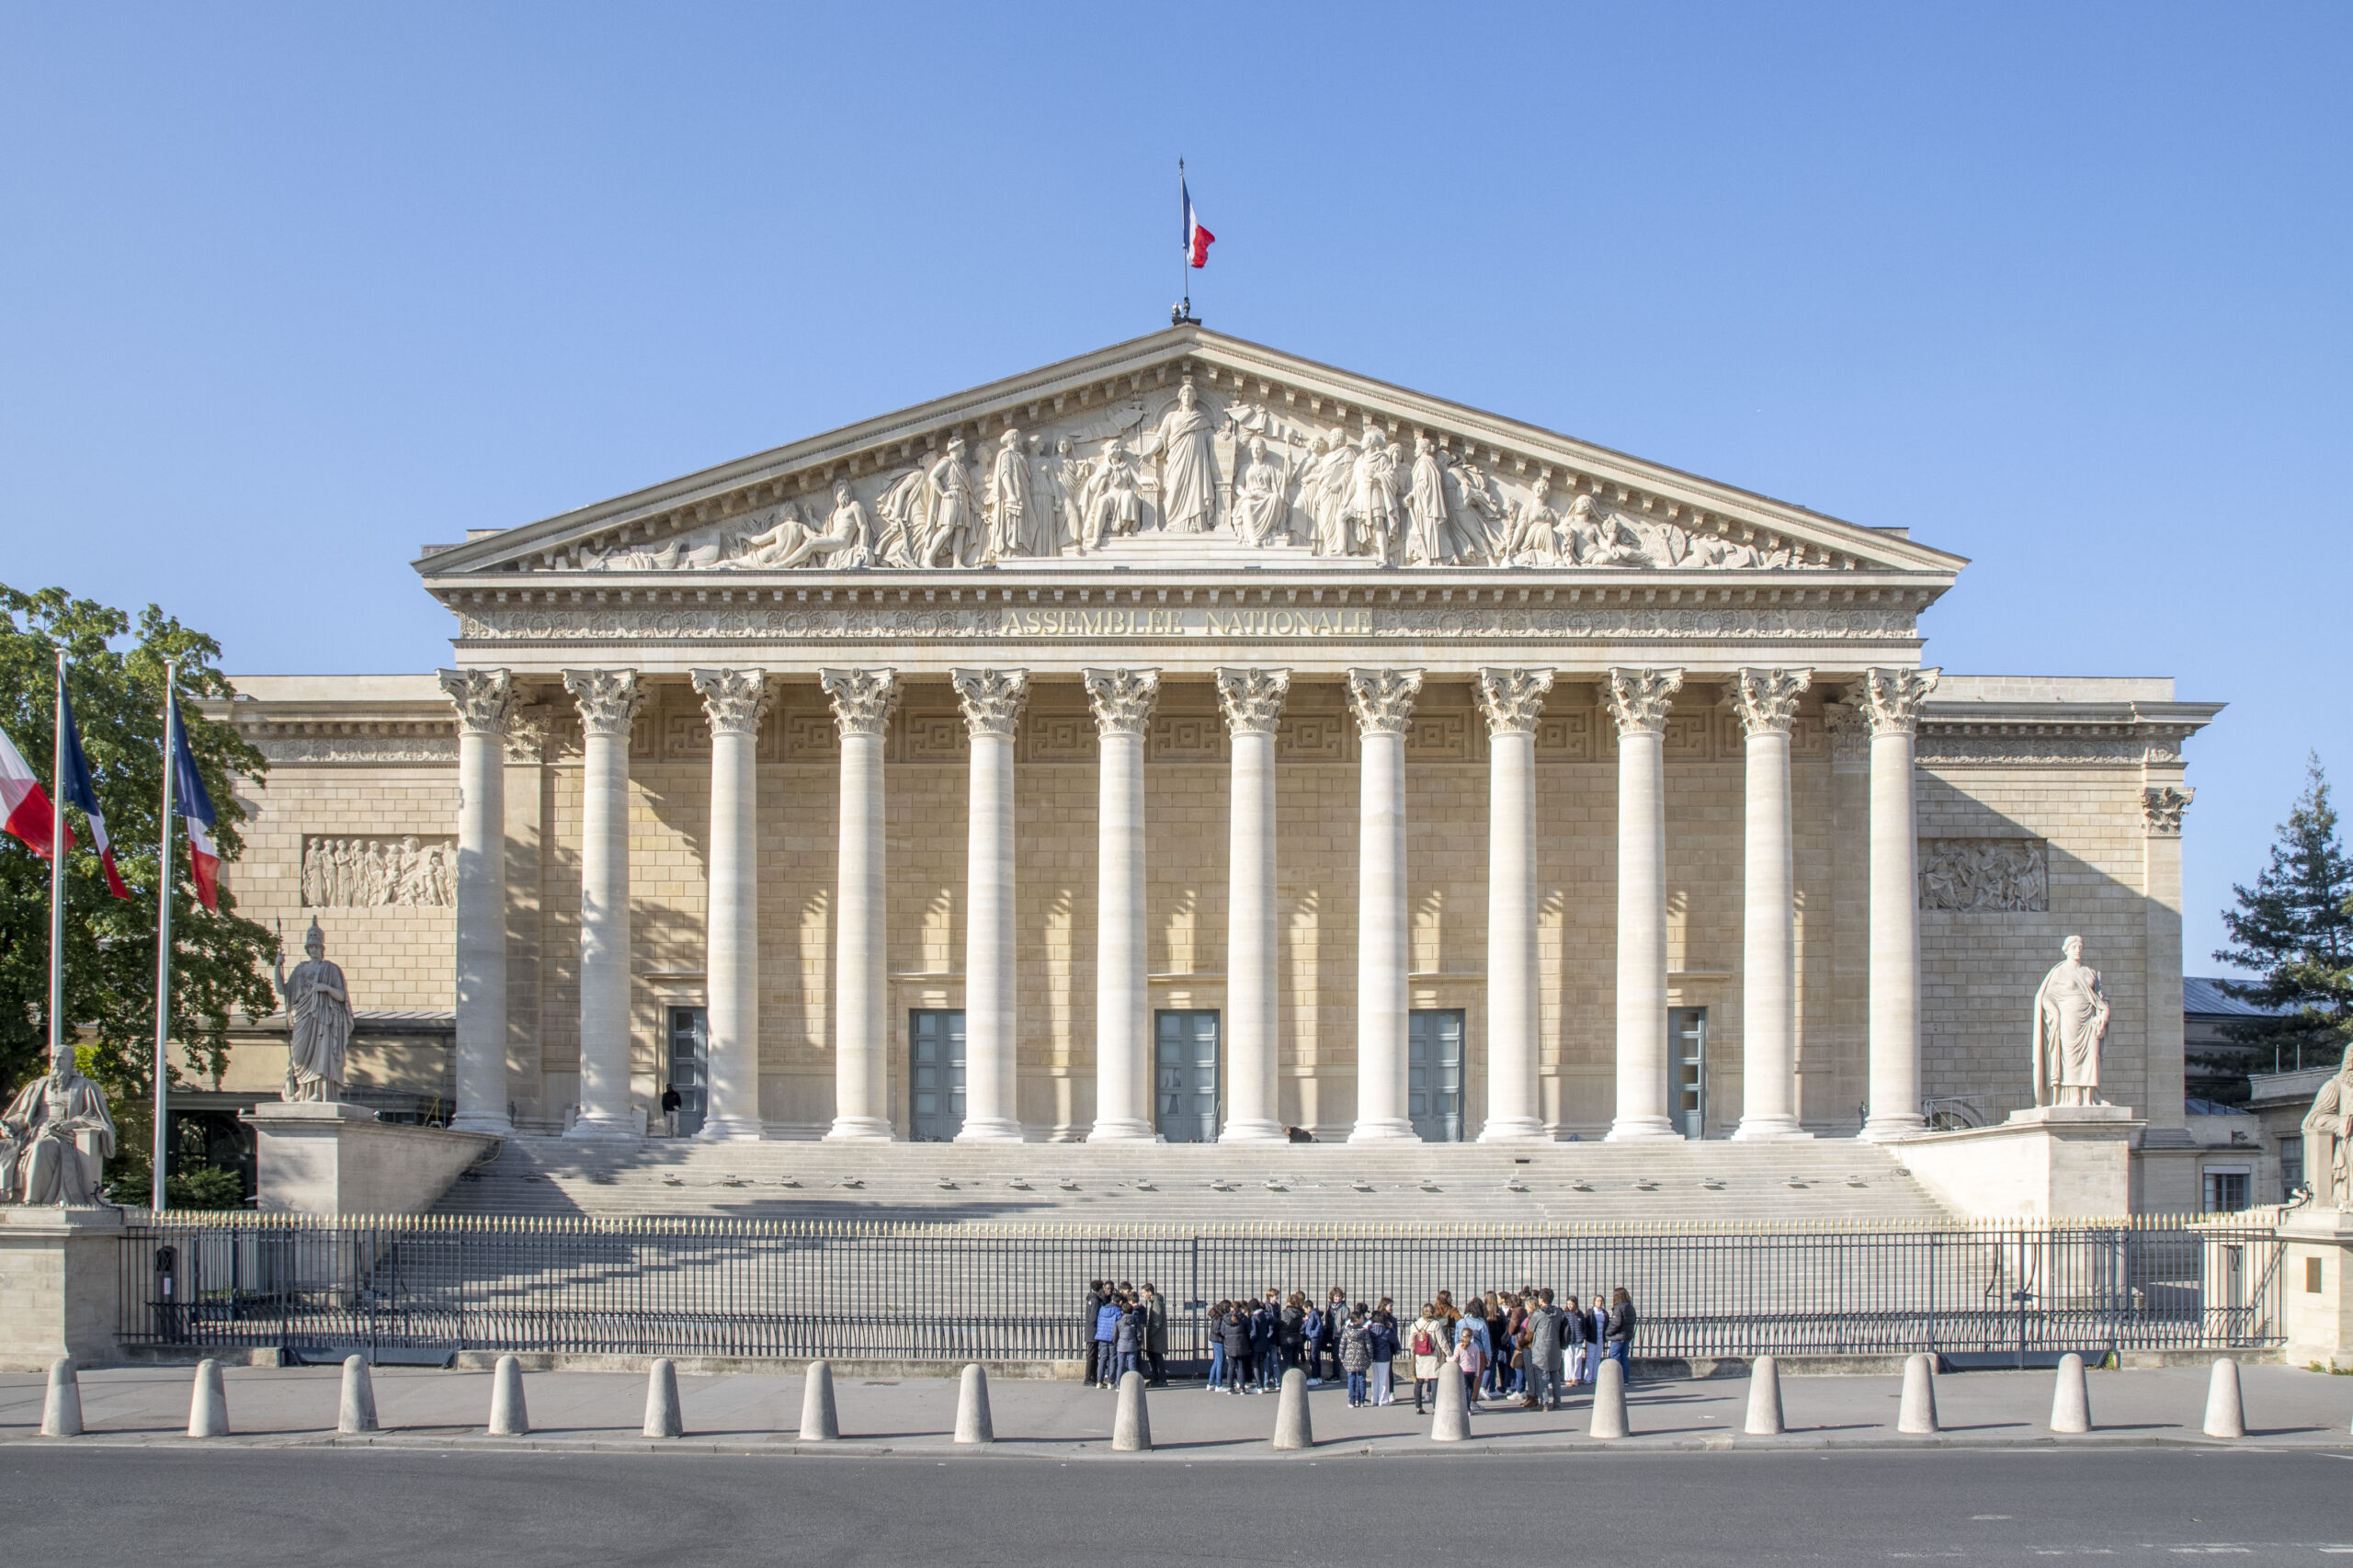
(1253, 701)
(862, 702)
(608, 702)
(991, 701)
(482, 699)
(1122, 701)
(734, 701)
(1639, 700)
(1892, 700)
(1511, 699)
(1767, 700)
(1383, 701)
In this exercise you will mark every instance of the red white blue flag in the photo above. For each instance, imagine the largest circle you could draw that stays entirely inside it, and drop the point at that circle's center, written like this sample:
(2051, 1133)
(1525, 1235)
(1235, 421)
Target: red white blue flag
(73, 782)
(190, 800)
(23, 802)
(1197, 239)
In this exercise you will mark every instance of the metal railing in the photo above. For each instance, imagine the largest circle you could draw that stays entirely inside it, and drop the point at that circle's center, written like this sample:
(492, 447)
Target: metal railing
(790, 1291)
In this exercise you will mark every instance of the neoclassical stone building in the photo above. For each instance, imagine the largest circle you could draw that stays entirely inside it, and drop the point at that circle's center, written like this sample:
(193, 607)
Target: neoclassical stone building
(1191, 741)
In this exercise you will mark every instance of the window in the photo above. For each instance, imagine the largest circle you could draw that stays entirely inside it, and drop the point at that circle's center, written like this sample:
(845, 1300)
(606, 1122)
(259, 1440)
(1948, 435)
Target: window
(2226, 1190)
(2291, 1166)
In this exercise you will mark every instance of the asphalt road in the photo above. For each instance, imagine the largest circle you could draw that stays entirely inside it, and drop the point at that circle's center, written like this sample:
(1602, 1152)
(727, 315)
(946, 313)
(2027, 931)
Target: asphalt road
(352, 1509)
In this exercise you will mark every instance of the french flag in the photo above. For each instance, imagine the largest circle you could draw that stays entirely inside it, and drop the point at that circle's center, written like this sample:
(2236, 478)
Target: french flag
(73, 780)
(191, 801)
(25, 802)
(1197, 239)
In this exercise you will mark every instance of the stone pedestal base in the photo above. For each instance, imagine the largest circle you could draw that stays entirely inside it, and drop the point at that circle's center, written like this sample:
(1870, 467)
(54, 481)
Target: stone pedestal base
(325, 1157)
(61, 1272)
(2050, 1162)
(2319, 1297)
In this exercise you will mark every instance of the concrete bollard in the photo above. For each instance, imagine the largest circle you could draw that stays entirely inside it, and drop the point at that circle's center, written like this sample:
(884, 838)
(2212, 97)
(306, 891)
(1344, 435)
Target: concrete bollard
(819, 1424)
(1764, 1399)
(1609, 1401)
(509, 1415)
(2071, 1397)
(61, 1412)
(973, 1422)
(208, 1406)
(1131, 1423)
(1293, 1426)
(662, 1417)
(1917, 1414)
(2225, 1411)
(356, 1412)
(1451, 1423)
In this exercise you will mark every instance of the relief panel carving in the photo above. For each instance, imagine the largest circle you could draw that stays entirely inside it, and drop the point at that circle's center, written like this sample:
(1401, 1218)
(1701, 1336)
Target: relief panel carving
(1986, 875)
(369, 871)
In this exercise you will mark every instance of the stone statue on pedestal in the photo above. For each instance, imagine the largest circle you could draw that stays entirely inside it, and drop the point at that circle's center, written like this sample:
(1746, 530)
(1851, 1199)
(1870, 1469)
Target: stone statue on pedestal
(42, 1160)
(2070, 1021)
(318, 1005)
(2328, 1141)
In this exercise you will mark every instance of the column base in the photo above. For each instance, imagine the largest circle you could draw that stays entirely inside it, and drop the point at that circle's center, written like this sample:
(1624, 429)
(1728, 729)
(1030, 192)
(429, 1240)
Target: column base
(1888, 1128)
(1768, 1129)
(1124, 1129)
(1386, 1130)
(1254, 1132)
(602, 1128)
(1643, 1130)
(859, 1129)
(730, 1128)
(997, 1131)
(1513, 1130)
(497, 1126)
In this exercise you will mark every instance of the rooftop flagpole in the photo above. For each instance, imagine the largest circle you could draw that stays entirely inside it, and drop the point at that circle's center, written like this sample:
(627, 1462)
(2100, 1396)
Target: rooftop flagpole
(1184, 247)
(164, 930)
(57, 877)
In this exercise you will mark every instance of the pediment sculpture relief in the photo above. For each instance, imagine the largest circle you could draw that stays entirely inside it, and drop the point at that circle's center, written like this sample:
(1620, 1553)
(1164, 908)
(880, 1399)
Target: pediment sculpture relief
(1200, 463)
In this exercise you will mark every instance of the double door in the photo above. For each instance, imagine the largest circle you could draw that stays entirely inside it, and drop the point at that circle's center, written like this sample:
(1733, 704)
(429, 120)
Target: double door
(689, 1066)
(1433, 1074)
(1184, 1075)
(935, 1073)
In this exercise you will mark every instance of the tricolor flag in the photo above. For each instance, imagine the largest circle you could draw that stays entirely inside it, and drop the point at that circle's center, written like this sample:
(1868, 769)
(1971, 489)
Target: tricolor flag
(73, 780)
(1197, 239)
(192, 803)
(24, 802)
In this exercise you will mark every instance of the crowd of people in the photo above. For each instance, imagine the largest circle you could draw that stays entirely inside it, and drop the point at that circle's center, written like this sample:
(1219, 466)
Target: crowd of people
(1520, 1348)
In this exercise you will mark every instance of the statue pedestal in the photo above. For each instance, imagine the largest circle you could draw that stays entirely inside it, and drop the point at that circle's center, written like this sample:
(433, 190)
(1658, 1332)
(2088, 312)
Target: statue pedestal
(61, 1270)
(325, 1158)
(2319, 1299)
(2048, 1162)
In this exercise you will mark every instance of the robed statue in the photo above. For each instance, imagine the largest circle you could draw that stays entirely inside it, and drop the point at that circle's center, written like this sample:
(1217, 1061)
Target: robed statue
(2328, 1138)
(42, 1158)
(1186, 443)
(318, 1005)
(2069, 1020)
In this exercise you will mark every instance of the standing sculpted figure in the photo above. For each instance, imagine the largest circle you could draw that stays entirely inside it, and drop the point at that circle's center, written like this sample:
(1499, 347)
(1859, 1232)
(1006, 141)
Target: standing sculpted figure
(41, 1158)
(1323, 494)
(318, 1005)
(1056, 501)
(1262, 501)
(2328, 1143)
(955, 509)
(1431, 541)
(1110, 502)
(1373, 511)
(1012, 503)
(1187, 444)
(2070, 1019)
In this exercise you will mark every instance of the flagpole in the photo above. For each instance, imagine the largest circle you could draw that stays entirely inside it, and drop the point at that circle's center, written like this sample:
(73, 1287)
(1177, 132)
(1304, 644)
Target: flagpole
(163, 926)
(57, 877)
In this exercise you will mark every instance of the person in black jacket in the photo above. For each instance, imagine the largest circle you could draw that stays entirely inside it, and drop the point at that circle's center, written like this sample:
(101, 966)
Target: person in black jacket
(1234, 1332)
(1290, 1334)
(1621, 1329)
(1090, 1372)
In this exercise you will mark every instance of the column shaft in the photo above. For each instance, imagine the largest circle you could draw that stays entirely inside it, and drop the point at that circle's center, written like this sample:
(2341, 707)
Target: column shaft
(1253, 701)
(1384, 700)
(862, 701)
(1640, 699)
(482, 698)
(734, 701)
(609, 701)
(1893, 699)
(992, 701)
(1512, 700)
(1122, 700)
(1767, 701)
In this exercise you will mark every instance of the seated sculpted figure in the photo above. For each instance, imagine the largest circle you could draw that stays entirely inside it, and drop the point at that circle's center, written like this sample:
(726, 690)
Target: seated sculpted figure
(41, 1160)
(2328, 1142)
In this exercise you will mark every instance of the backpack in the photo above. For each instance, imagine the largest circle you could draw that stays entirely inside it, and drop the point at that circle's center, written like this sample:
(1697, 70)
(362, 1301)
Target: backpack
(1422, 1344)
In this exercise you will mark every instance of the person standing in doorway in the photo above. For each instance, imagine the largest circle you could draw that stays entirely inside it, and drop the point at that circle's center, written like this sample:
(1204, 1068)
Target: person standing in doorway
(671, 1103)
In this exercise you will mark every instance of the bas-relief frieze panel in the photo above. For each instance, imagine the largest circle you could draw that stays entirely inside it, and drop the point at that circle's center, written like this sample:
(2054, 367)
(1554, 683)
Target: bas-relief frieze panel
(1986, 875)
(371, 871)
(2037, 745)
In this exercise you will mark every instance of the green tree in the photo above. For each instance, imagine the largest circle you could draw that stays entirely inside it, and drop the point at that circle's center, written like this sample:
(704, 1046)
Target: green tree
(2294, 929)
(221, 963)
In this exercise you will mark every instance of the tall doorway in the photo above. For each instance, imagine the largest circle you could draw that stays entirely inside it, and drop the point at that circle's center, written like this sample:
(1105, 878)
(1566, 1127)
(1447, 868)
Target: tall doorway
(1687, 1070)
(690, 1066)
(1433, 1074)
(1184, 1075)
(935, 1073)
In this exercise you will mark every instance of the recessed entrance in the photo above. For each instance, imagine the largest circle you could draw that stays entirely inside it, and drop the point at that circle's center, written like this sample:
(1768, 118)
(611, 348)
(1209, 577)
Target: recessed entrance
(1433, 1074)
(1184, 1075)
(690, 1066)
(935, 1073)
(1687, 1070)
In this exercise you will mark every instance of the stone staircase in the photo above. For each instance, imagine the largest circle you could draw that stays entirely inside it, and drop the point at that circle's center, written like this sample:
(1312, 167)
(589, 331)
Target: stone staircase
(1323, 1185)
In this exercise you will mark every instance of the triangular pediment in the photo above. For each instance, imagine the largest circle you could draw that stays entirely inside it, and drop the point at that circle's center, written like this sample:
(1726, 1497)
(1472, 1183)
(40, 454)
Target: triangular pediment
(1187, 450)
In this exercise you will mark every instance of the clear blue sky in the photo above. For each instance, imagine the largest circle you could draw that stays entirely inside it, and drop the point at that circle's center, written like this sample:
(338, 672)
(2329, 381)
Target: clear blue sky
(2062, 288)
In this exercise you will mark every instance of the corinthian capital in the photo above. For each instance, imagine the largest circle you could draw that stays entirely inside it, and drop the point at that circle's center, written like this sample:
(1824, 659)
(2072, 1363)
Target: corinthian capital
(2161, 807)
(1893, 699)
(863, 699)
(1513, 700)
(608, 698)
(1122, 699)
(734, 701)
(1252, 698)
(1768, 700)
(1383, 699)
(1638, 699)
(992, 699)
(482, 697)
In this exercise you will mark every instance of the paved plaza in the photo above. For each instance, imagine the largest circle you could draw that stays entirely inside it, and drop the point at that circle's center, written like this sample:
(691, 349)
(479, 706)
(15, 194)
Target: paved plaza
(759, 1413)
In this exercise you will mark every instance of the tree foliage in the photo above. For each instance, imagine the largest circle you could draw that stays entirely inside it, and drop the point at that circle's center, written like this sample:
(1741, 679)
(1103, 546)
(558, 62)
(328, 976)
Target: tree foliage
(221, 963)
(2294, 929)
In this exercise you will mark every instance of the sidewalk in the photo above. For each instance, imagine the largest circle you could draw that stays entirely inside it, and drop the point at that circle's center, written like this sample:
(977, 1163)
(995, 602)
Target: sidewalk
(759, 1413)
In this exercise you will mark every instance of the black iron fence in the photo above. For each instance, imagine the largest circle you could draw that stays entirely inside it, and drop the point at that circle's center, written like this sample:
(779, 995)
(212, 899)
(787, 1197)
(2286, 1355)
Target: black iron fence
(788, 1290)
